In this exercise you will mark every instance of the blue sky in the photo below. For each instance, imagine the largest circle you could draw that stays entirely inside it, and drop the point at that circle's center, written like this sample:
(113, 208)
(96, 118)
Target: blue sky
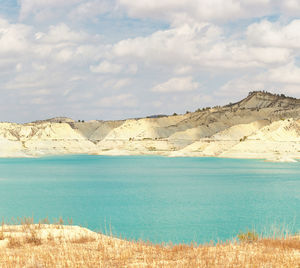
(115, 59)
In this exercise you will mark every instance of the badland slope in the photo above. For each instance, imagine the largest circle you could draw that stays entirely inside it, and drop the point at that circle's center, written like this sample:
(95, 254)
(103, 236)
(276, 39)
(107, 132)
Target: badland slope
(263, 125)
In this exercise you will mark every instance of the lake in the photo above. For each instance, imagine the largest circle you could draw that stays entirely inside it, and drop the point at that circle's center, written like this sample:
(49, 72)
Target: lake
(154, 198)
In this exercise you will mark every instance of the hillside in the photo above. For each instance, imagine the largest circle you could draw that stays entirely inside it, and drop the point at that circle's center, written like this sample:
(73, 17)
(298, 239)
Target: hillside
(262, 125)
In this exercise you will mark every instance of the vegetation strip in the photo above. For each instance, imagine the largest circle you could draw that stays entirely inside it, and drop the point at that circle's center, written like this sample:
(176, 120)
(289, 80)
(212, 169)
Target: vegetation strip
(58, 245)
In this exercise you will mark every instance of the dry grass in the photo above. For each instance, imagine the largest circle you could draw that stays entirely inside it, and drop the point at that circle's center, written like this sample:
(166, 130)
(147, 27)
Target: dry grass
(44, 245)
(2, 235)
(13, 242)
(83, 239)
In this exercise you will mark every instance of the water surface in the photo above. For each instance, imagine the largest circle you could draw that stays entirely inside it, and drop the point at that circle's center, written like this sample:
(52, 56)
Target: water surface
(154, 198)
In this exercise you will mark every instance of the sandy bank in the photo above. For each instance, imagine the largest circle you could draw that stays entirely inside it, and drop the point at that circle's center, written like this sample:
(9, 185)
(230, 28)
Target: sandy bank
(72, 246)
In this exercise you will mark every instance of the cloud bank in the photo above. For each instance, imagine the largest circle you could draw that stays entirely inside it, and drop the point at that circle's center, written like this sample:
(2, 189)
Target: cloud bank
(104, 59)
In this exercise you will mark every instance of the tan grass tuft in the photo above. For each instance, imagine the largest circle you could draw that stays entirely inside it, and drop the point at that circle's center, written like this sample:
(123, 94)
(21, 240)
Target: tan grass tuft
(83, 239)
(13, 242)
(32, 238)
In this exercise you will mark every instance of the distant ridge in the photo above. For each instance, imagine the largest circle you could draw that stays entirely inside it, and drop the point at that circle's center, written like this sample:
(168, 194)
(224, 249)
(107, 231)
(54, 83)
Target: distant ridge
(262, 125)
(56, 120)
(254, 100)
(263, 99)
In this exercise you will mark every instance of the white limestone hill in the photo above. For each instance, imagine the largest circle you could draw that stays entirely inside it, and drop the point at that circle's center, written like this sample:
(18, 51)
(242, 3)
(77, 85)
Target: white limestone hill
(262, 125)
(279, 141)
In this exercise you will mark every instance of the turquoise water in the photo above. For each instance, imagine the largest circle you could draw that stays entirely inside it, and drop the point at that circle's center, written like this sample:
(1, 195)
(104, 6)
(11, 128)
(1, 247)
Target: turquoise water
(155, 198)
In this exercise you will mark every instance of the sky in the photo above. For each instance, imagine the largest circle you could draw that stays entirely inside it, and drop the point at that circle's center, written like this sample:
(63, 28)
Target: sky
(117, 59)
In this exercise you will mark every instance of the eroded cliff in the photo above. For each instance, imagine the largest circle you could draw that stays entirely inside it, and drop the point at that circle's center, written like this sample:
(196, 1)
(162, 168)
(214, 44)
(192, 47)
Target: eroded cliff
(262, 125)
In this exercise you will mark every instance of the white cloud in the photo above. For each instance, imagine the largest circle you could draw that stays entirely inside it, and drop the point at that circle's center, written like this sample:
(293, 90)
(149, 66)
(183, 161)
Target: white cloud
(63, 44)
(238, 88)
(268, 34)
(283, 79)
(14, 38)
(37, 7)
(178, 11)
(77, 54)
(177, 84)
(291, 7)
(170, 10)
(163, 46)
(42, 10)
(183, 69)
(90, 9)
(19, 67)
(201, 45)
(122, 83)
(173, 11)
(132, 69)
(267, 55)
(64, 55)
(190, 11)
(106, 67)
(39, 67)
(116, 83)
(288, 74)
(123, 100)
(61, 33)
(27, 81)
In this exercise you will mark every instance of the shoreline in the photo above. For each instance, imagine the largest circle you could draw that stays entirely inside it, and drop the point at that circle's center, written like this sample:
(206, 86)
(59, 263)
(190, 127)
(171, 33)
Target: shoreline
(277, 159)
(50, 245)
